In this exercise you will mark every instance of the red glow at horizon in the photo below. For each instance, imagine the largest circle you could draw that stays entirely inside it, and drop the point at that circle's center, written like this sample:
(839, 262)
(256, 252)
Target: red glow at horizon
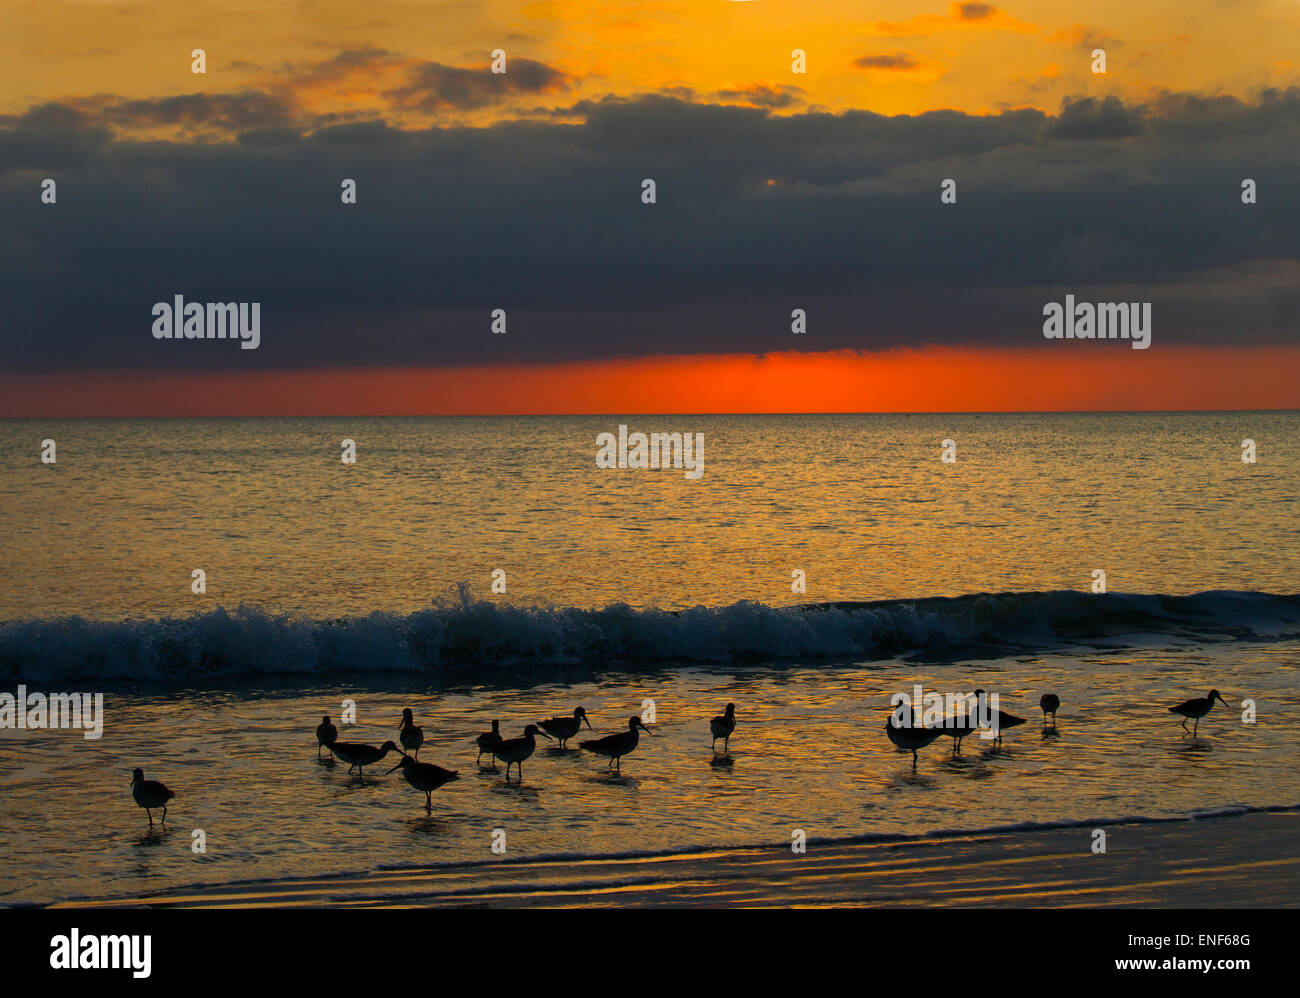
(1078, 377)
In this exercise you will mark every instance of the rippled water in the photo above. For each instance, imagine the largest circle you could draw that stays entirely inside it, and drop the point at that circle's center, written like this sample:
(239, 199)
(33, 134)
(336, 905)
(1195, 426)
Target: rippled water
(1162, 502)
(809, 753)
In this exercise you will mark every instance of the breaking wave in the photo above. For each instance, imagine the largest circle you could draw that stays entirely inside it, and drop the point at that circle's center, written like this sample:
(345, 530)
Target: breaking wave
(467, 632)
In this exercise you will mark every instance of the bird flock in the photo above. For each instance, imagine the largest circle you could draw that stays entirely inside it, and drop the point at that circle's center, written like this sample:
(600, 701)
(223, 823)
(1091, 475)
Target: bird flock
(900, 728)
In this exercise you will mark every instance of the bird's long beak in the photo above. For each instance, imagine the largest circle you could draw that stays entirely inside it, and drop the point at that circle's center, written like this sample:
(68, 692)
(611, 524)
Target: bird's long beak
(588, 720)
(646, 729)
(1223, 701)
(546, 736)
(395, 768)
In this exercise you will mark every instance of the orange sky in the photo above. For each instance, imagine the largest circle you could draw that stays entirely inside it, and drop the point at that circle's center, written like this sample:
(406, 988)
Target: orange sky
(890, 56)
(1091, 376)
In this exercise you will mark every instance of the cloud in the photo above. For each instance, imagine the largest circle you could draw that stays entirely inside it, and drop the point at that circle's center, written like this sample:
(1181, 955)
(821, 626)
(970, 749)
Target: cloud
(358, 84)
(896, 64)
(432, 86)
(758, 213)
(762, 95)
(959, 16)
(899, 60)
(1090, 118)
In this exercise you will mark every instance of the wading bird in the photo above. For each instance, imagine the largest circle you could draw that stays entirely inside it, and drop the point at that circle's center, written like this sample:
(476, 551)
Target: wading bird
(488, 742)
(619, 745)
(1049, 704)
(358, 755)
(516, 750)
(326, 734)
(908, 736)
(959, 726)
(722, 727)
(149, 794)
(1197, 708)
(564, 728)
(1005, 720)
(409, 735)
(424, 776)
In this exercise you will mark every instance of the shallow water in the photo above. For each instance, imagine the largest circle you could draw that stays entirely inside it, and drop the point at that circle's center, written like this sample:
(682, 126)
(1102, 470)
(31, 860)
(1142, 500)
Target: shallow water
(809, 753)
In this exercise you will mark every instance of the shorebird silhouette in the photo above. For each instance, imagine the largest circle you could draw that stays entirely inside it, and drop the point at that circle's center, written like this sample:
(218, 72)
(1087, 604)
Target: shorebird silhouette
(1197, 708)
(1005, 720)
(1049, 703)
(357, 755)
(409, 735)
(424, 776)
(564, 728)
(960, 726)
(149, 794)
(908, 736)
(722, 727)
(516, 750)
(326, 734)
(488, 742)
(619, 745)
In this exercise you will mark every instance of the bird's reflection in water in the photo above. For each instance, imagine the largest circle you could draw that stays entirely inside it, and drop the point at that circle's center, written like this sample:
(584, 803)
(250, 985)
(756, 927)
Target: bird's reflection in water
(722, 762)
(616, 780)
(910, 778)
(517, 791)
(1050, 732)
(355, 783)
(431, 825)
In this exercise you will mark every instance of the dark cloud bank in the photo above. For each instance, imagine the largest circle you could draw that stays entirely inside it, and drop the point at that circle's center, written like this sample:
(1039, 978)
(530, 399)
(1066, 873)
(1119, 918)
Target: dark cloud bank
(757, 214)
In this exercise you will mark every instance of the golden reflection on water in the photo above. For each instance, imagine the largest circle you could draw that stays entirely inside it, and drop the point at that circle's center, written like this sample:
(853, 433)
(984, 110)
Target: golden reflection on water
(808, 753)
(861, 503)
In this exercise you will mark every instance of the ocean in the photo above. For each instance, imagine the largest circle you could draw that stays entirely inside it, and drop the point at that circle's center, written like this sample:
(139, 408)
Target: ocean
(628, 591)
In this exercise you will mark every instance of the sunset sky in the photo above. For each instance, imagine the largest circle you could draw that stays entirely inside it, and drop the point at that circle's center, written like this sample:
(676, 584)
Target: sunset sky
(776, 191)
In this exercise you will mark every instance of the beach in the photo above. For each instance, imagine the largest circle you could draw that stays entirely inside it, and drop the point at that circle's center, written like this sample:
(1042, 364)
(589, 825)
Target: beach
(1226, 861)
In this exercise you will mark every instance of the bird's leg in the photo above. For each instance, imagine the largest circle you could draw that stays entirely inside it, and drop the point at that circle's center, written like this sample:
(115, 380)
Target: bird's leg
(164, 814)
(428, 801)
(1195, 724)
(1184, 724)
(913, 760)
(149, 812)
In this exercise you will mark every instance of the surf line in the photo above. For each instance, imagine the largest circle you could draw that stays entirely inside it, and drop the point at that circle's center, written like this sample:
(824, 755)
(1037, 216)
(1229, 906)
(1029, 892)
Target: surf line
(652, 451)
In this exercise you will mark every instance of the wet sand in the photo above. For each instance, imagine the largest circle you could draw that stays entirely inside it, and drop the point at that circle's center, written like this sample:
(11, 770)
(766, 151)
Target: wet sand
(1249, 861)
